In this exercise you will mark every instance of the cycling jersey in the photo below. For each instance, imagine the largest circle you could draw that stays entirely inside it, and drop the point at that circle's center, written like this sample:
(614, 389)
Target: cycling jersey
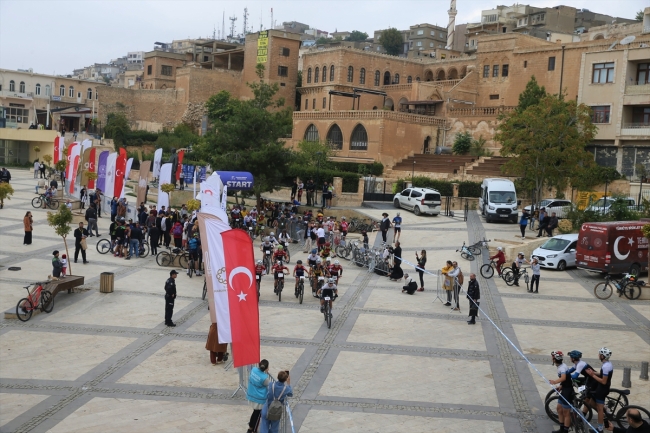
(312, 259)
(397, 222)
(279, 269)
(266, 246)
(328, 290)
(318, 271)
(325, 252)
(578, 368)
(567, 384)
(260, 269)
(607, 370)
(273, 240)
(344, 227)
(299, 270)
(335, 270)
(280, 255)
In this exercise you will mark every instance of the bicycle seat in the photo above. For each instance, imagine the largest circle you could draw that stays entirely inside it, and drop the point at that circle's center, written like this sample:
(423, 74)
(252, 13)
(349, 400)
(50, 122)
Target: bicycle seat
(624, 391)
(176, 250)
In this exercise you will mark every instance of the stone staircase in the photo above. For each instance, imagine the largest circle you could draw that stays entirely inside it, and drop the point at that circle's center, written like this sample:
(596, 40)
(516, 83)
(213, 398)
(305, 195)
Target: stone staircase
(487, 167)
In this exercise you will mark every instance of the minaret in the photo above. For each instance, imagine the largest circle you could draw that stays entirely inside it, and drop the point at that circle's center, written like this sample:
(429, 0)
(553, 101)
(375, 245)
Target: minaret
(452, 24)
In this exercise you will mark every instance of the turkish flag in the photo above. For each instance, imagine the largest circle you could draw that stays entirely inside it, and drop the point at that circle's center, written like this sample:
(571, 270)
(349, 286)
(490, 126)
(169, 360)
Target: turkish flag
(71, 149)
(120, 171)
(179, 167)
(73, 174)
(91, 167)
(57, 151)
(242, 297)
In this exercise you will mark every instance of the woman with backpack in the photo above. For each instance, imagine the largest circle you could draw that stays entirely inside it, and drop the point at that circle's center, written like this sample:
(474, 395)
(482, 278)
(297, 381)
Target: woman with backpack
(277, 393)
(177, 232)
(256, 392)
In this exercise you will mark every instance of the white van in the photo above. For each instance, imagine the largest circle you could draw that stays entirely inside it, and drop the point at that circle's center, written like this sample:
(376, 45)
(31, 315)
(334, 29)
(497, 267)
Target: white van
(498, 200)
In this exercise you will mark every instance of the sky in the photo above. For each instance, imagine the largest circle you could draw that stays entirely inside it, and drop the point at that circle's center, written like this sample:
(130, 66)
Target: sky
(55, 37)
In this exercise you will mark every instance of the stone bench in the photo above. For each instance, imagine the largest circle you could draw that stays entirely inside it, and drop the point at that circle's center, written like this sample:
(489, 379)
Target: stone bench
(54, 287)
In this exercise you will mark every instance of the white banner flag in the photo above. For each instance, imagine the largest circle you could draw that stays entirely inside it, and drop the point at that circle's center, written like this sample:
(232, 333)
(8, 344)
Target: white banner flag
(109, 184)
(129, 163)
(224, 198)
(165, 177)
(157, 158)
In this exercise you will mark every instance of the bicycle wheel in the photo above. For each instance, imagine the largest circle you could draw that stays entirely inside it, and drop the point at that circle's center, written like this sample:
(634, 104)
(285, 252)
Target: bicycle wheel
(163, 259)
(280, 287)
(632, 290)
(205, 290)
(467, 256)
(509, 278)
(190, 268)
(103, 246)
(24, 310)
(144, 250)
(616, 399)
(182, 260)
(550, 406)
(487, 271)
(526, 278)
(340, 251)
(53, 204)
(288, 255)
(622, 421)
(47, 301)
(603, 290)
(37, 202)
(474, 250)
(578, 423)
(328, 314)
(301, 291)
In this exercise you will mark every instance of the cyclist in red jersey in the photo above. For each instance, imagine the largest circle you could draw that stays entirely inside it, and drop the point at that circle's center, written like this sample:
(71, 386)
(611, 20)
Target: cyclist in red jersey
(278, 268)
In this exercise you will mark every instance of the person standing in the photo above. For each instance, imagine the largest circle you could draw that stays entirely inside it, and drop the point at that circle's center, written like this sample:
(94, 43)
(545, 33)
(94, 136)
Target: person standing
(473, 295)
(37, 168)
(457, 276)
(82, 197)
(294, 190)
(422, 261)
(397, 224)
(301, 186)
(28, 222)
(42, 170)
(256, 393)
(170, 296)
(310, 192)
(218, 351)
(153, 232)
(448, 283)
(534, 281)
(57, 267)
(279, 390)
(543, 222)
(324, 194)
(523, 223)
(98, 201)
(91, 218)
(80, 235)
(113, 209)
(384, 225)
(396, 272)
(135, 240)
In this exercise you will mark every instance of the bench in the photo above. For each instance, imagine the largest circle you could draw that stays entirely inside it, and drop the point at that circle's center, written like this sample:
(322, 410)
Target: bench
(54, 287)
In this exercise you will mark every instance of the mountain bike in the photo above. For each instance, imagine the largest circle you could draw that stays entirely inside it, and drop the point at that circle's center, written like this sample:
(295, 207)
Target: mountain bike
(280, 286)
(165, 258)
(51, 202)
(268, 255)
(105, 246)
(343, 249)
(327, 312)
(300, 291)
(487, 270)
(466, 253)
(37, 299)
(258, 279)
(509, 276)
(631, 289)
(251, 232)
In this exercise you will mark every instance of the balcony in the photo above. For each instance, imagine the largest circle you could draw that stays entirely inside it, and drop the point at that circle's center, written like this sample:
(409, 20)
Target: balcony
(370, 114)
(16, 95)
(636, 129)
(637, 89)
(636, 94)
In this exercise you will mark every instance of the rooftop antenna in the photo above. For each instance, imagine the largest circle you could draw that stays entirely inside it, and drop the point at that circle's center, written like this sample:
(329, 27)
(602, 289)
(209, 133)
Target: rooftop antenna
(261, 19)
(272, 23)
(245, 20)
(223, 26)
(232, 25)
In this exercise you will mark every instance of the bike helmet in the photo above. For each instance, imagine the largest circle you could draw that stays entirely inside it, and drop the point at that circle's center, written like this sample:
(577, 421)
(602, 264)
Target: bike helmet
(329, 259)
(279, 262)
(299, 262)
(605, 352)
(331, 281)
(318, 261)
(272, 234)
(575, 354)
(557, 355)
(280, 247)
(314, 251)
(327, 244)
(259, 262)
(499, 249)
(342, 218)
(336, 262)
(521, 253)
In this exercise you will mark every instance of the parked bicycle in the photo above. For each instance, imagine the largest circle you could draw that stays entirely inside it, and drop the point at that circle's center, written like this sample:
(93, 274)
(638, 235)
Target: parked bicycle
(165, 258)
(50, 202)
(466, 253)
(628, 286)
(36, 299)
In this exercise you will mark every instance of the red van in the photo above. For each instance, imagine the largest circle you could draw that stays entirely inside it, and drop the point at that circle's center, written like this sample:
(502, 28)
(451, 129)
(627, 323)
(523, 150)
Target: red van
(613, 247)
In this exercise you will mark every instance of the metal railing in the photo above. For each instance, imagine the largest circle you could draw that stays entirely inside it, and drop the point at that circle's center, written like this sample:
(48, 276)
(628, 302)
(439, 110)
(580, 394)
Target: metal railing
(369, 114)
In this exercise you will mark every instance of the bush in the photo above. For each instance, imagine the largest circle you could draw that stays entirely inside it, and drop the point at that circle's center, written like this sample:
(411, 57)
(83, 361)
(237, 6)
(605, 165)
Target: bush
(350, 180)
(469, 189)
(462, 143)
(565, 226)
(445, 187)
(374, 169)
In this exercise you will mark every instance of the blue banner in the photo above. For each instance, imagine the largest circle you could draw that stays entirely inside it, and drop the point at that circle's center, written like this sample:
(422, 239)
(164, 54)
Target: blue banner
(202, 174)
(188, 174)
(240, 180)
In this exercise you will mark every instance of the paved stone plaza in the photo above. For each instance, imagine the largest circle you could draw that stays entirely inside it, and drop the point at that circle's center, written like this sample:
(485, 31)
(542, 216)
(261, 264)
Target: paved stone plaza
(390, 363)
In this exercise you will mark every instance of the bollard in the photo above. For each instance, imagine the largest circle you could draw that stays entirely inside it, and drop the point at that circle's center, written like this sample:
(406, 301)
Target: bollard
(644, 371)
(627, 383)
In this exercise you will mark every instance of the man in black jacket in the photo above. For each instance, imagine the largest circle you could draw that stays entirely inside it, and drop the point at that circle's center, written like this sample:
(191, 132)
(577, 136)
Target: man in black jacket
(473, 295)
(5, 176)
(552, 224)
(411, 286)
(310, 192)
(79, 234)
(384, 225)
(91, 217)
(543, 222)
(170, 296)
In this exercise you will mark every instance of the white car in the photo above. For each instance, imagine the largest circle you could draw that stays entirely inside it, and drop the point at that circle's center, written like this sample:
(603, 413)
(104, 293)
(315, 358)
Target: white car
(560, 206)
(559, 252)
(419, 200)
(604, 204)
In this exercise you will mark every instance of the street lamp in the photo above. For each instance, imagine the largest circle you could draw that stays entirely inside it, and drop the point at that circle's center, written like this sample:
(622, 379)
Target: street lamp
(318, 154)
(413, 172)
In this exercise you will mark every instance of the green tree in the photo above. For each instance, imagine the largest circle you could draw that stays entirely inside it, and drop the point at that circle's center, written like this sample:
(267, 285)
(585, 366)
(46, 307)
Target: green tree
(323, 40)
(531, 95)
(462, 143)
(248, 137)
(591, 174)
(6, 191)
(392, 41)
(546, 141)
(310, 152)
(639, 16)
(357, 36)
(477, 148)
(118, 128)
(60, 221)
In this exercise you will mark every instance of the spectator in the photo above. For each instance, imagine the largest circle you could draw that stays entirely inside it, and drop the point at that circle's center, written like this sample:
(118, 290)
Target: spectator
(82, 197)
(56, 264)
(279, 390)
(28, 222)
(294, 190)
(153, 232)
(64, 265)
(91, 218)
(257, 391)
(457, 275)
(636, 423)
(422, 261)
(54, 184)
(397, 273)
(411, 286)
(218, 351)
(121, 208)
(523, 223)
(301, 186)
(177, 233)
(330, 195)
(552, 224)
(5, 176)
(42, 170)
(310, 187)
(384, 225)
(397, 223)
(534, 281)
(113, 209)
(68, 204)
(135, 240)
(37, 168)
(534, 217)
(473, 295)
(543, 222)
(80, 235)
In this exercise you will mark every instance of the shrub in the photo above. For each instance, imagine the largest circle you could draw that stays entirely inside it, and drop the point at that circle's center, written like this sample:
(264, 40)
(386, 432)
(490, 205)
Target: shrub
(469, 189)
(445, 187)
(462, 143)
(565, 226)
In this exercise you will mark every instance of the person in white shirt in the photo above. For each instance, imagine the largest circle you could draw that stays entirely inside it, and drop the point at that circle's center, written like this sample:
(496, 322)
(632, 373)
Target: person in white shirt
(37, 167)
(320, 233)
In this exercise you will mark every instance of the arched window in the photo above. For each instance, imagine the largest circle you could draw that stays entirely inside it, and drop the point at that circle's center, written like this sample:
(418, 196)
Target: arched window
(96, 94)
(396, 79)
(362, 76)
(12, 86)
(417, 78)
(359, 139)
(316, 74)
(332, 73)
(62, 90)
(71, 92)
(22, 87)
(38, 89)
(377, 77)
(350, 74)
(311, 134)
(48, 90)
(409, 79)
(89, 94)
(309, 76)
(324, 74)
(335, 137)
(386, 78)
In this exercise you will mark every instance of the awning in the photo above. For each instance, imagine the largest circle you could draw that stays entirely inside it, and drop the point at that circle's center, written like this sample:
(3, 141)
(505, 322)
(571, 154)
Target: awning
(346, 94)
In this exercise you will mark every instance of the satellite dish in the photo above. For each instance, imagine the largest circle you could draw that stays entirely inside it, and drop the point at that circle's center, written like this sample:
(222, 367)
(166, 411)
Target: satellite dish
(627, 40)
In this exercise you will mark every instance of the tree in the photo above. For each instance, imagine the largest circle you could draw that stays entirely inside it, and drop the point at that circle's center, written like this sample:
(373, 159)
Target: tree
(639, 16)
(47, 159)
(357, 36)
(531, 95)
(118, 128)
(310, 152)
(60, 221)
(323, 40)
(547, 142)
(392, 41)
(37, 150)
(6, 190)
(168, 188)
(247, 136)
(591, 174)
(477, 148)
(462, 143)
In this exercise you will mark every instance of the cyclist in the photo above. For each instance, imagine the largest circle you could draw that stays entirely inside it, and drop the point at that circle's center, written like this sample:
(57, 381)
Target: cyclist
(603, 382)
(120, 237)
(249, 221)
(330, 290)
(284, 238)
(578, 365)
(266, 247)
(193, 246)
(235, 214)
(565, 389)
(280, 254)
(335, 270)
(501, 259)
(313, 258)
(260, 270)
(299, 271)
(317, 271)
(48, 197)
(326, 251)
(344, 228)
(516, 266)
(278, 268)
(272, 238)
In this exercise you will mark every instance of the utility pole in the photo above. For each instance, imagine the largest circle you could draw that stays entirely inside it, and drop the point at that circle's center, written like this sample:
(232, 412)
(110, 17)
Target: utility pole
(223, 26)
(232, 25)
(245, 21)
(272, 23)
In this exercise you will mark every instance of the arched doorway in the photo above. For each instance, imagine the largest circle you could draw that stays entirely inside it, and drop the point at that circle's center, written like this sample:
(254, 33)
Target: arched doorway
(453, 74)
(403, 104)
(426, 149)
(389, 104)
(359, 139)
(440, 76)
(428, 76)
(387, 78)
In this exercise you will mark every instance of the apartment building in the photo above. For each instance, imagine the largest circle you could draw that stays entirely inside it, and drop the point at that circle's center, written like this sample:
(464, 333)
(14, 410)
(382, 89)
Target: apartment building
(425, 39)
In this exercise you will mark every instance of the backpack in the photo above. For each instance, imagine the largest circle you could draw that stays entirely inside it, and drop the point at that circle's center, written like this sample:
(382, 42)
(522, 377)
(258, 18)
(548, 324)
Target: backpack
(178, 230)
(460, 278)
(276, 407)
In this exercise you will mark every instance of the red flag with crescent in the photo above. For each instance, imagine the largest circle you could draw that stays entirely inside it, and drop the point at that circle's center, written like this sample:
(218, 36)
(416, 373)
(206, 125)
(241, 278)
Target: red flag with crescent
(120, 170)
(75, 167)
(91, 168)
(242, 297)
(57, 150)
(179, 167)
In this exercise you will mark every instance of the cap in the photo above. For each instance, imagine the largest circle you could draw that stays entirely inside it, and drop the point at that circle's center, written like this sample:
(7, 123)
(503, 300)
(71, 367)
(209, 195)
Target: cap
(172, 272)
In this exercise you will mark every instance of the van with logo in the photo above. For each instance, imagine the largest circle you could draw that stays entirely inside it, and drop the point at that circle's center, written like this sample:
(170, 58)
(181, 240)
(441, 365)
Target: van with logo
(612, 247)
(498, 201)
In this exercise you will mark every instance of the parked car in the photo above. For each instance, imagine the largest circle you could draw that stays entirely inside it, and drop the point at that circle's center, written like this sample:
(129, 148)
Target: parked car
(613, 247)
(561, 207)
(419, 200)
(498, 200)
(604, 204)
(559, 252)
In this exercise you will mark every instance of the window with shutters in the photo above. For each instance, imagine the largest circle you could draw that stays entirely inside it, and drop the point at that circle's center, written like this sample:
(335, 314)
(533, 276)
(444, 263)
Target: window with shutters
(377, 77)
(359, 139)
(350, 74)
(362, 76)
(316, 74)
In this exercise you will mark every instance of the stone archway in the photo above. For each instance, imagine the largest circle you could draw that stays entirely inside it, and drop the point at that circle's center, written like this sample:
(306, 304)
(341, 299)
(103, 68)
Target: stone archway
(440, 75)
(452, 74)
(428, 75)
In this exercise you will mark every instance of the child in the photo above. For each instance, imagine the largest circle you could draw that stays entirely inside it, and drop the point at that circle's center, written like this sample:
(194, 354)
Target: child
(56, 264)
(64, 265)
